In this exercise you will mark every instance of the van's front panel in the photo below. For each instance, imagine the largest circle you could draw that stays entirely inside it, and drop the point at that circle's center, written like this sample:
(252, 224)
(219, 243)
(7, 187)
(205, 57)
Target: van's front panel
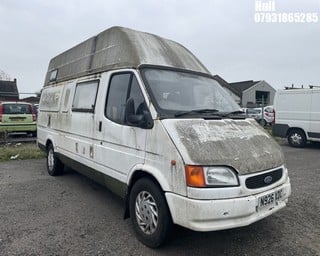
(229, 172)
(164, 160)
(209, 215)
(261, 185)
(241, 144)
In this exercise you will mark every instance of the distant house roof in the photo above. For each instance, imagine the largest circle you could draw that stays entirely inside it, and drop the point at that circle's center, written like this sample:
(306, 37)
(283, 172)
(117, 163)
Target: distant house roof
(225, 84)
(239, 87)
(31, 99)
(9, 90)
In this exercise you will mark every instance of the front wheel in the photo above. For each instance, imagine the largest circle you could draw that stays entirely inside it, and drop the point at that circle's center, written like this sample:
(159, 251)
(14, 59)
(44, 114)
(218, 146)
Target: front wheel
(149, 213)
(54, 165)
(297, 138)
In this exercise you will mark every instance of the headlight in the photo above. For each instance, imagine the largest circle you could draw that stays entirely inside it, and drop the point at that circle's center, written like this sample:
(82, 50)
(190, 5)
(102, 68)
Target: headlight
(220, 176)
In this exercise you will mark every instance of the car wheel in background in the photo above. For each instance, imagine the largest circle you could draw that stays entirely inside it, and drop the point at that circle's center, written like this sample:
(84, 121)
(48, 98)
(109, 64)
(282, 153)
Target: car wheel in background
(297, 138)
(262, 122)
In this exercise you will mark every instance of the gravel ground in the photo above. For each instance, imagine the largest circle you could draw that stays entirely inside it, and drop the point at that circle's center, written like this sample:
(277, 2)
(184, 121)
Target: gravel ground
(71, 215)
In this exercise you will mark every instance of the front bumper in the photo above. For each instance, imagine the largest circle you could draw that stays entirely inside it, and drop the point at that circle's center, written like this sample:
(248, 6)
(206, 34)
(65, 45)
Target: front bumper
(210, 215)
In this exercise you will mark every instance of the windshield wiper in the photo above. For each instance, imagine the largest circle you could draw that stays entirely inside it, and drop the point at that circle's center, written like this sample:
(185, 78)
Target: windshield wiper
(197, 111)
(237, 112)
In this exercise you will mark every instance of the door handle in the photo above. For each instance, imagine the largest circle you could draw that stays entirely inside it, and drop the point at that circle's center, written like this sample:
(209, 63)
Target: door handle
(100, 126)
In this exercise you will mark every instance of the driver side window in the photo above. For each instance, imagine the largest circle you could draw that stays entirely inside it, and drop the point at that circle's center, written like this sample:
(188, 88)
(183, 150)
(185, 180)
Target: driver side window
(123, 86)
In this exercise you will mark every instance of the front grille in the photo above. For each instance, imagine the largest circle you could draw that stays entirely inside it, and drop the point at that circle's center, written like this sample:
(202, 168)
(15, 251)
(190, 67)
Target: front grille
(264, 180)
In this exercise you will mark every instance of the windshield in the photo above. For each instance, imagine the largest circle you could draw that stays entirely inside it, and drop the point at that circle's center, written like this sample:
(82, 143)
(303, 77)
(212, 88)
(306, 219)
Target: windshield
(173, 91)
(16, 108)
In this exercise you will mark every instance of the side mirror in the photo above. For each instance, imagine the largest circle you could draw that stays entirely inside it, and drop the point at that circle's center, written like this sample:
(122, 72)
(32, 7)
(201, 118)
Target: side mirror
(143, 120)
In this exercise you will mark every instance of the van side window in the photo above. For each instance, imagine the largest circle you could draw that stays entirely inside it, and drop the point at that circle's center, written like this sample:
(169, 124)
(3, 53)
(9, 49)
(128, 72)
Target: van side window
(66, 99)
(121, 88)
(85, 96)
(137, 96)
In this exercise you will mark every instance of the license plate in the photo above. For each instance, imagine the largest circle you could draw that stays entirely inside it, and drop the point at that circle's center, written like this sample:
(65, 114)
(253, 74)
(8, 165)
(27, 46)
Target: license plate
(17, 118)
(270, 199)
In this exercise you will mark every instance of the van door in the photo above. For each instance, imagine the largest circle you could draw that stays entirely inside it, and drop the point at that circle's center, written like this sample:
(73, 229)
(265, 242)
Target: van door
(119, 146)
(314, 131)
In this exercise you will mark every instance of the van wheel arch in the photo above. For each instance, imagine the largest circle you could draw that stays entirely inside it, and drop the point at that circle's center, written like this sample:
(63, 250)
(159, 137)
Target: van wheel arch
(135, 177)
(48, 143)
(150, 215)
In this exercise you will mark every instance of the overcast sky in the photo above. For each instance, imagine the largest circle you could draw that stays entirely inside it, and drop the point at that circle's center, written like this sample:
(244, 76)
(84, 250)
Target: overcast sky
(221, 33)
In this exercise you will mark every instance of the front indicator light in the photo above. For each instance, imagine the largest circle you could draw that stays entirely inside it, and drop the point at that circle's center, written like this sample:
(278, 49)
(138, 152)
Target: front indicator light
(195, 176)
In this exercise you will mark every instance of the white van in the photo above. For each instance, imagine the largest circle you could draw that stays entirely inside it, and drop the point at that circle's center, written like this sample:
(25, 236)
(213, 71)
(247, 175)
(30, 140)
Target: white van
(141, 115)
(297, 115)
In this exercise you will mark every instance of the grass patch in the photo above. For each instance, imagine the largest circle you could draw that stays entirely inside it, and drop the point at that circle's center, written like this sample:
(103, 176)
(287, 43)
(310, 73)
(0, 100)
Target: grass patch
(20, 151)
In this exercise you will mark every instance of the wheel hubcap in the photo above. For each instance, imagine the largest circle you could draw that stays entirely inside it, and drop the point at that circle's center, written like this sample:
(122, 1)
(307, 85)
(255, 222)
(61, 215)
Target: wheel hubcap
(146, 212)
(50, 159)
(296, 138)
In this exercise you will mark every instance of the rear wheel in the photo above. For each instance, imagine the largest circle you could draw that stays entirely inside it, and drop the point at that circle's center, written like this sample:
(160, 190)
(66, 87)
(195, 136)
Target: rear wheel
(262, 122)
(297, 138)
(149, 213)
(54, 165)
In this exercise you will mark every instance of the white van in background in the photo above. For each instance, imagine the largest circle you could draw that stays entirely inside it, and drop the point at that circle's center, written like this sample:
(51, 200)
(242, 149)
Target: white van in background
(142, 116)
(297, 115)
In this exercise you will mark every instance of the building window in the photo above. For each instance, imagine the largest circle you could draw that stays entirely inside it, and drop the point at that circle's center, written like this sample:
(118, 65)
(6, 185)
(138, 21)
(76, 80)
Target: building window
(262, 98)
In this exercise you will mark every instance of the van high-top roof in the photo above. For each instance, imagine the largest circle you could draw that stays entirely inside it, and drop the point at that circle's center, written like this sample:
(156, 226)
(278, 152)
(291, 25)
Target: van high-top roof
(119, 47)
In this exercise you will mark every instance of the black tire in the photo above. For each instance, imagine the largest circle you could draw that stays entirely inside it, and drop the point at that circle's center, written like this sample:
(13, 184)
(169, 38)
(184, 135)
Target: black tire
(262, 122)
(149, 213)
(297, 138)
(54, 165)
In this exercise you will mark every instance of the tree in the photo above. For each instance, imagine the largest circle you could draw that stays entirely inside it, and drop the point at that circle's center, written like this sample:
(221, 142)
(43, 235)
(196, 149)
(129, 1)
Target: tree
(4, 76)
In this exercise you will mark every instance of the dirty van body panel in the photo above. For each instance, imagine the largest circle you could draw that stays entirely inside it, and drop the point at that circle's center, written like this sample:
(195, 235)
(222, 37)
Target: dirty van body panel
(118, 48)
(116, 186)
(240, 144)
(118, 148)
(88, 137)
(165, 161)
